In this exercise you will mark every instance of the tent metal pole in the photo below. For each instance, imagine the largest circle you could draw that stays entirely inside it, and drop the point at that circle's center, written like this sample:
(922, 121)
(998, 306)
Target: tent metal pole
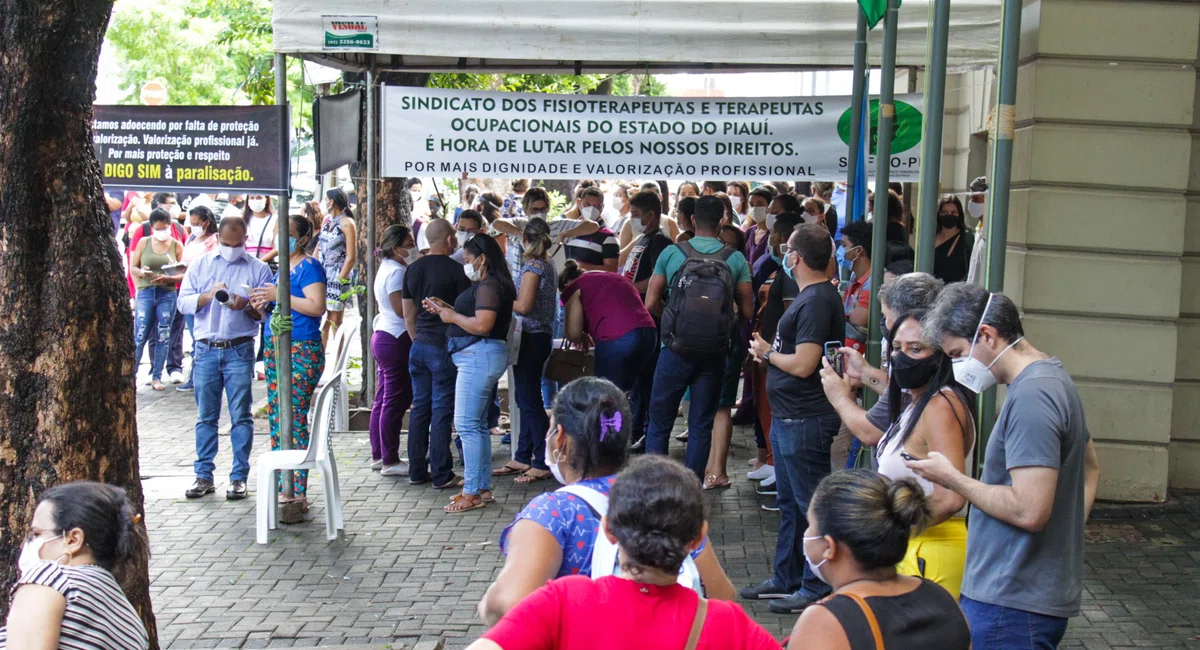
(1000, 177)
(283, 297)
(883, 158)
(856, 212)
(369, 215)
(931, 139)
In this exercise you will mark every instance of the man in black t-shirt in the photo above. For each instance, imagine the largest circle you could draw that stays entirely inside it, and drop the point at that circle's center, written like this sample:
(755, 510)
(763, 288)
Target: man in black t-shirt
(645, 215)
(435, 275)
(803, 422)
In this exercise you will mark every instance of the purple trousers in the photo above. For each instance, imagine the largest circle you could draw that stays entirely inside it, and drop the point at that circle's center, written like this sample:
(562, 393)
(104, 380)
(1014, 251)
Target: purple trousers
(393, 394)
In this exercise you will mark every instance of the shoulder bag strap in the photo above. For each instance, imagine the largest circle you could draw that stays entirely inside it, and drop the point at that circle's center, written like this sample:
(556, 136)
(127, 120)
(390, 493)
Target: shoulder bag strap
(697, 624)
(872, 622)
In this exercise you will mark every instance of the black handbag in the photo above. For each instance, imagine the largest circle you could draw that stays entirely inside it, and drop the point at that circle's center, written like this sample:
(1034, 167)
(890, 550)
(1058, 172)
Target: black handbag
(567, 364)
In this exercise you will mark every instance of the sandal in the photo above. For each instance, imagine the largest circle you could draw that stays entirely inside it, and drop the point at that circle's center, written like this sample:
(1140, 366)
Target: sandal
(531, 477)
(463, 502)
(682, 437)
(714, 482)
(484, 495)
(455, 481)
(509, 469)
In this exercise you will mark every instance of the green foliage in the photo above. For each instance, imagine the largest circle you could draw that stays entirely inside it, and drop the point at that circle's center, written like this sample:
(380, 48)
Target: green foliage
(206, 51)
(558, 203)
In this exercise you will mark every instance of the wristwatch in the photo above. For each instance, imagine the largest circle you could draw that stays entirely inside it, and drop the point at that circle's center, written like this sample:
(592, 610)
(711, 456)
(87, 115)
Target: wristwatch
(767, 357)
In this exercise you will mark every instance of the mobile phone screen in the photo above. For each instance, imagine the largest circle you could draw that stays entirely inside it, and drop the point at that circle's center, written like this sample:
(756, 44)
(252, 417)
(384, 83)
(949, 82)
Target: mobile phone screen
(833, 352)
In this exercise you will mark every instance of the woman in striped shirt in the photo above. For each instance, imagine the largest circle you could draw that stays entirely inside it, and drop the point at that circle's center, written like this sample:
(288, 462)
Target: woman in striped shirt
(67, 596)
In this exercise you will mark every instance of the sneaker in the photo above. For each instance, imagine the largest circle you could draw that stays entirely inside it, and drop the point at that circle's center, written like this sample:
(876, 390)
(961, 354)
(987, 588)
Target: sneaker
(762, 473)
(771, 506)
(639, 446)
(377, 464)
(187, 387)
(768, 590)
(767, 487)
(506, 439)
(793, 604)
(176, 377)
(399, 469)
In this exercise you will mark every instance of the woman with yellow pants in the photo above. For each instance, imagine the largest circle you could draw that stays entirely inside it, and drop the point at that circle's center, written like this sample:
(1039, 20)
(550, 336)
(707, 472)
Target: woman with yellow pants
(938, 416)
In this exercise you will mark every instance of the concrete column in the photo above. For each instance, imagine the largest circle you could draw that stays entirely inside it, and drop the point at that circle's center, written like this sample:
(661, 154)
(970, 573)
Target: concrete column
(1097, 253)
(1185, 422)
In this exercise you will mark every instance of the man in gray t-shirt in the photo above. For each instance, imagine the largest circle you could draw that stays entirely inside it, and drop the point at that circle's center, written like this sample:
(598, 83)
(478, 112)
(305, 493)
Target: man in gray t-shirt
(1024, 570)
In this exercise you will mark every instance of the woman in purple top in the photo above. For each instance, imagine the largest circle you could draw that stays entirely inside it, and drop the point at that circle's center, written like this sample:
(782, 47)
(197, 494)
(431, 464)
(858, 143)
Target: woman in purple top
(757, 233)
(606, 308)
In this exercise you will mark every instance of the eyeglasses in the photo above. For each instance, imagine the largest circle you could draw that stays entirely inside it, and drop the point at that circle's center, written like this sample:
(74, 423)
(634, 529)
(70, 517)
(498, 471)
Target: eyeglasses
(784, 249)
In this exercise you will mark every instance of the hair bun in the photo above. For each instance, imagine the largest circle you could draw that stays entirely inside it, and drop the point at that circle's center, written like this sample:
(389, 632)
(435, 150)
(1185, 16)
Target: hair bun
(908, 504)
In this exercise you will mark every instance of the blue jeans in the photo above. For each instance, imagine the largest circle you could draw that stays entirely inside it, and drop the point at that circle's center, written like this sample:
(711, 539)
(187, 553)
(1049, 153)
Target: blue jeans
(672, 377)
(550, 388)
(231, 370)
(479, 368)
(995, 627)
(527, 374)
(621, 360)
(801, 448)
(433, 377)
(155, 313)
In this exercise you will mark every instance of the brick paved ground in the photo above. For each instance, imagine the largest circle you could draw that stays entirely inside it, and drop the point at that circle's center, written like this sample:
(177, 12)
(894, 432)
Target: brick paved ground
(405, 572)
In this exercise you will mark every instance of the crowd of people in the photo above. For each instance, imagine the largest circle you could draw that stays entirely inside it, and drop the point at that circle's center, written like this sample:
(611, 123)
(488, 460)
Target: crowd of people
(694, 296)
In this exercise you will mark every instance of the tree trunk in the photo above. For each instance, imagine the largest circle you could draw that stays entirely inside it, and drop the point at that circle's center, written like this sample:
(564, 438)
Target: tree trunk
(67, 397)
(393, 204)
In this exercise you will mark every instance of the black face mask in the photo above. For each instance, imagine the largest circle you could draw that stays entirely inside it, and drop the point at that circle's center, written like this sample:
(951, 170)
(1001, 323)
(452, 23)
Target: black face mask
(913, 373)
(947, 220)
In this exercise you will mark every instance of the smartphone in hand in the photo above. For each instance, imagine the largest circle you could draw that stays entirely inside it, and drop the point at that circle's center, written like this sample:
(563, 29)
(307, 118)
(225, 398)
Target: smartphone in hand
(833, 351)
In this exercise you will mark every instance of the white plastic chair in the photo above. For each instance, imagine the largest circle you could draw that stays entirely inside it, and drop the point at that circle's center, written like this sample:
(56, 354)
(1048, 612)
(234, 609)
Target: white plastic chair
(341, 348)
(317, 457)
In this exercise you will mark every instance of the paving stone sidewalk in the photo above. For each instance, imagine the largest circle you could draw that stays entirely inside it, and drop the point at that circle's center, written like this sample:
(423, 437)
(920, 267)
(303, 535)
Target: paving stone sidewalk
(405, 573)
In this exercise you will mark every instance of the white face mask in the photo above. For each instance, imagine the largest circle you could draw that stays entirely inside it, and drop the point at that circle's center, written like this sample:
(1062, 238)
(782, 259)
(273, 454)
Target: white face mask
(771, 222)
(815, 567)
(808, 218)
(411, 255)
(736, 201)
(231, 253)
(590, 213)
(758, 214)
(198, 231)
(31, 556)
(969, 371)
(552, 460)
(637, 226)
(416, 196)
(463, 237)
(976, 209)
(163, 235)
(471, 271)
(258, 205)
(174, 210)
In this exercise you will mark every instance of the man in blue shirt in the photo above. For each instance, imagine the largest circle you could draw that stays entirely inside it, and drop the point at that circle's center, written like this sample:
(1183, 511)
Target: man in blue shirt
(676, 373)
(215, 290)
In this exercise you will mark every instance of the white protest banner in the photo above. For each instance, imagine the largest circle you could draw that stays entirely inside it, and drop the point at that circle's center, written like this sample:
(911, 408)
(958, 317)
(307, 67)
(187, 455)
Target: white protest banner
(438, 132)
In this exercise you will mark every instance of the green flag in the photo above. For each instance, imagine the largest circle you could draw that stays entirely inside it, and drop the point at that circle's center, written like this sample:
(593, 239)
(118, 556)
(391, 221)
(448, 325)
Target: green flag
(874, 10)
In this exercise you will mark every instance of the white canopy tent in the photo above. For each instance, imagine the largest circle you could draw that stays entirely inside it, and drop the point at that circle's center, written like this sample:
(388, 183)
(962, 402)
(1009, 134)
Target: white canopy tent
(608, 36)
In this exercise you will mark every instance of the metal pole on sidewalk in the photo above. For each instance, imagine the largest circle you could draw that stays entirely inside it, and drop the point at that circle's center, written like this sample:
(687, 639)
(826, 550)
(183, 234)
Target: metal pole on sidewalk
(1000, 179)
(931, 139)
(369, 215)
(883, 158)
(283, 297)
(856, 212)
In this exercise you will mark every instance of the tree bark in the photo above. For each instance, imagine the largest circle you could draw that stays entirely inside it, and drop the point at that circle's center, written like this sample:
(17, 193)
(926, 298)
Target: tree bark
(67, 397)
(393, 204)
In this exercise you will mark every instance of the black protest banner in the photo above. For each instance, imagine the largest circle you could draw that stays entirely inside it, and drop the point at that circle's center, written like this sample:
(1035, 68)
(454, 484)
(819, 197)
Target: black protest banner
(224, 148)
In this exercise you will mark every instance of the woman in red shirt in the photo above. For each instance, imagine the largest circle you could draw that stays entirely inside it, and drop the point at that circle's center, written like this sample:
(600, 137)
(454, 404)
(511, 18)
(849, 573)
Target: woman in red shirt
(656, 514)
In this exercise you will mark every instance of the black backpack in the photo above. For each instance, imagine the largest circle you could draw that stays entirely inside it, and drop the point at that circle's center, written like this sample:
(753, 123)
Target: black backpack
(699, 319)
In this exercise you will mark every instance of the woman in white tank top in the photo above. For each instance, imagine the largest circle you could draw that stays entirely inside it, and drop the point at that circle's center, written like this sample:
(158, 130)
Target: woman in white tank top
(937, 417)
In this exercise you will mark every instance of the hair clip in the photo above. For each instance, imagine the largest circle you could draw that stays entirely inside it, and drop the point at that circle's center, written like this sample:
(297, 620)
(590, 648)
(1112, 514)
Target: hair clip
(137, 519)
(611, 423)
